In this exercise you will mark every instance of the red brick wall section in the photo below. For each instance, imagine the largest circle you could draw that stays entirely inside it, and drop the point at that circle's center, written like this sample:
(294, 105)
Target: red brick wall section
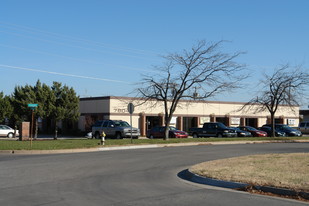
(24, 133)
(179, 124)
(142, 122)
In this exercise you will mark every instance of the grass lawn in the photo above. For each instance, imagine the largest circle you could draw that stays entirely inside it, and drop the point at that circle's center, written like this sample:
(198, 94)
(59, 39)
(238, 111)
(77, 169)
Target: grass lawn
(92, 143)
(280, 170)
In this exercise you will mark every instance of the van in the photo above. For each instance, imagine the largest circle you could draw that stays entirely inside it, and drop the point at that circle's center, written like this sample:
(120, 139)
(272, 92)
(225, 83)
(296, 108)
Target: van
(304, 127)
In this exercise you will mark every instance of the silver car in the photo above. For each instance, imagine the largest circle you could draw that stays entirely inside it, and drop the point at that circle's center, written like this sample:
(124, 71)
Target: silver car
(7, 131)
(304, 127)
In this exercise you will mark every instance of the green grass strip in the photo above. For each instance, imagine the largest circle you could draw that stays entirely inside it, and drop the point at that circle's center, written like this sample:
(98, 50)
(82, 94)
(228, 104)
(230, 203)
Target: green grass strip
(92, 143)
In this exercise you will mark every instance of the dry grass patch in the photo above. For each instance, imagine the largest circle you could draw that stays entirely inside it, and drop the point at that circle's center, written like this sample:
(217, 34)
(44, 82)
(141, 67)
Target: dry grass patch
(278, 170)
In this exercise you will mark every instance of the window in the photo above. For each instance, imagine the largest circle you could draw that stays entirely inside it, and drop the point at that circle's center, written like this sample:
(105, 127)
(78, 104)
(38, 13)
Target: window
(121, 124)
(105, 123)
(98, 123)
(155, 129)
(302, 124)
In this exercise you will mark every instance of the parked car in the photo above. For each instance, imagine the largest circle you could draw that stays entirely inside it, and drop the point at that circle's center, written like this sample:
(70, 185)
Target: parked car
(7, 131)
(212, 129)
(255, 132)
(158, 132)
(304, 127)
(241, 133)
(114, 128)
(290, 132)
(278, 133)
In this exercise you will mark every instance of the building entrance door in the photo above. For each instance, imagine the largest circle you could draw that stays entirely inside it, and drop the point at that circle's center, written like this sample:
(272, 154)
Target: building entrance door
(223, 120)
(253, 122)
(189, 122)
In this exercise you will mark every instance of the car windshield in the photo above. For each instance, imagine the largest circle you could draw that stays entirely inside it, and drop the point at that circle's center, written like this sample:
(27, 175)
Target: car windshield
(252, 129)
(121, 124)
(266, 128)
(284, 127)
(5, 127)
(173, 128)
(222, 126)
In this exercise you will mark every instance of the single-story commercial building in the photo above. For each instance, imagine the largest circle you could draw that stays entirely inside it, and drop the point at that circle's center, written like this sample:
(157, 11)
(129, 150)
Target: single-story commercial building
(304, 115)
(188, 113)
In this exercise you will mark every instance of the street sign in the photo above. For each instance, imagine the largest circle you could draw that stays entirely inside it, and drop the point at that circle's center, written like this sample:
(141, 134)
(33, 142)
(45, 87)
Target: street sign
(130, 108)
(32, 105)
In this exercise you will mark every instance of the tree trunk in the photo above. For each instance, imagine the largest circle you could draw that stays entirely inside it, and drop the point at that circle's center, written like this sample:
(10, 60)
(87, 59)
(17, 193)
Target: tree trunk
(36, 129)
(166, 133)
(56, 131)
(273, 129)
(167, 127)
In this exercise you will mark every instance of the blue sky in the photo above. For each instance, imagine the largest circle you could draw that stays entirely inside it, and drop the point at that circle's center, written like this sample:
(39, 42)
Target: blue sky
(102, 47)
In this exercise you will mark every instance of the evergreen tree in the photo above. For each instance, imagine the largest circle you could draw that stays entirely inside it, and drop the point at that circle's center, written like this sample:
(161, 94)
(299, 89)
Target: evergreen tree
(22, 96)
(57, 103)
(6, 108)
(66, 105)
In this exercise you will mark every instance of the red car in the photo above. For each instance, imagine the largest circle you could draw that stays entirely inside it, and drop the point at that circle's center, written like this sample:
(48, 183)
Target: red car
(254, 132)
(158, 132)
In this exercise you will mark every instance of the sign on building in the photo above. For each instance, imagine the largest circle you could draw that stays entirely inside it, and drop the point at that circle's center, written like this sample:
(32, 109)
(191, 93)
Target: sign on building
(204, 119)
(235, 121)
(291, 122)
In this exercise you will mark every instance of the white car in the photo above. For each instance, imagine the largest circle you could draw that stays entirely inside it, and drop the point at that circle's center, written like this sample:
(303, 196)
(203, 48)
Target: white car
(7, 131)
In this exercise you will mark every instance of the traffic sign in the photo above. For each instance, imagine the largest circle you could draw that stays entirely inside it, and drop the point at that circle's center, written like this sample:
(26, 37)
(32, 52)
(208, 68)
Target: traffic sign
(130, 108)
(32, 105)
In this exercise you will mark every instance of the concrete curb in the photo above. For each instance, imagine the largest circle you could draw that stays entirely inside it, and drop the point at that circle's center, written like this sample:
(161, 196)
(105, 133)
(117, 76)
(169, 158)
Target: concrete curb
(128, 147)
(189, 176)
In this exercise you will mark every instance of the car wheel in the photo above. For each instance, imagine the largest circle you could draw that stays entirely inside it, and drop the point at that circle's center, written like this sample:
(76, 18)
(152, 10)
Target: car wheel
(10, 135)
(151, 136)
(118, 135)
(219, 135)
(195, 135)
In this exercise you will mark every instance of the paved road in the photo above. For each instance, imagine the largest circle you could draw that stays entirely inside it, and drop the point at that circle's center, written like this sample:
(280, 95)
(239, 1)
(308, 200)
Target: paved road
(126, 177)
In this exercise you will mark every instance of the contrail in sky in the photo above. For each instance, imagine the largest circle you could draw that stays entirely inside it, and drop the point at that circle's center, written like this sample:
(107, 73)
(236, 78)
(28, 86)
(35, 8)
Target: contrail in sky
(63, 74)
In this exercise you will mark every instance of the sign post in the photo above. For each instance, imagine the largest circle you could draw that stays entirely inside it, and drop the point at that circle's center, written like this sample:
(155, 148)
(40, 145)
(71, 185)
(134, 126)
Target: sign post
(131, 110)
(32, 107)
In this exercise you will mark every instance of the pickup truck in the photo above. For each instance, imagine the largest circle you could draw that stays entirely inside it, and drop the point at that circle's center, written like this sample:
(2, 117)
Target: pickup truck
(114, 128)
(212, 129)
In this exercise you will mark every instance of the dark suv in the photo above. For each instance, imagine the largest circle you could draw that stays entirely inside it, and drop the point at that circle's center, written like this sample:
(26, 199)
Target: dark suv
(114, 128)
(290, 132)
(213, 129)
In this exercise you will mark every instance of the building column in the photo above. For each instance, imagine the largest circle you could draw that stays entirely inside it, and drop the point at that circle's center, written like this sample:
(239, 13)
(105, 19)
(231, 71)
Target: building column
(227, 120)
(161, 117)
(197, 121)
(179, 123)
(242, 121)
(268, 120)
(281, 120)
(142, 123)
(212, 118)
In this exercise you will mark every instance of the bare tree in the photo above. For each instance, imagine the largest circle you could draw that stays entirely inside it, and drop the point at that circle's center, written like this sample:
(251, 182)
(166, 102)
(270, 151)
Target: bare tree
(198, 73)
(285, 86)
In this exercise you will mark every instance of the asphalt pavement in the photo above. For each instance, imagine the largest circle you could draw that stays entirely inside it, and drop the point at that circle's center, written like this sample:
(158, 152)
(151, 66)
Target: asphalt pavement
(145, 176)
